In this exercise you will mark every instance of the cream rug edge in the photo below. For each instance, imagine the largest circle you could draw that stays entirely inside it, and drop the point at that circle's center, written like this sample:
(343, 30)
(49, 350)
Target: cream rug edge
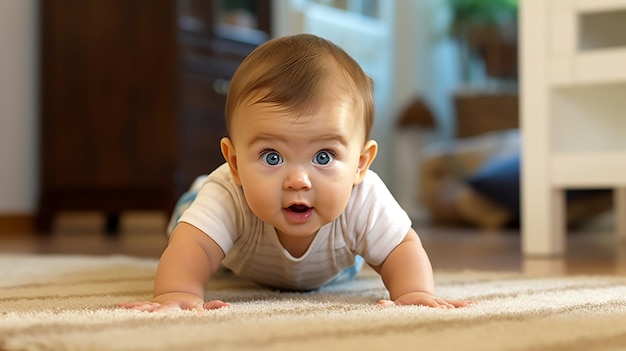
(55, 302)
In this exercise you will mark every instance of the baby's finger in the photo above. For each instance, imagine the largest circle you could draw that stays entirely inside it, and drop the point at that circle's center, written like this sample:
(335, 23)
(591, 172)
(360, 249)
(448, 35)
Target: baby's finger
(461, 303)
(146, 307)
(441, 303)
(386, 303)
(132, 305)
(215, 304)
(162, 308)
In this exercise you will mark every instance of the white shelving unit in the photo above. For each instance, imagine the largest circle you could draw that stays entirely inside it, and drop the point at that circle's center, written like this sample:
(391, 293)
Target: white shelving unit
(573, 112)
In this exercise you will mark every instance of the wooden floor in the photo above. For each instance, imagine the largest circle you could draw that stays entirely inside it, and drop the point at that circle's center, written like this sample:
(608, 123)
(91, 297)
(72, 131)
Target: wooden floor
(592, 251)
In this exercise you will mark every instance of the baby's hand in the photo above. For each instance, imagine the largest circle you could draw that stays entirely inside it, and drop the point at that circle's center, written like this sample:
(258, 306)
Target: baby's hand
(425, 299)
(174, 300)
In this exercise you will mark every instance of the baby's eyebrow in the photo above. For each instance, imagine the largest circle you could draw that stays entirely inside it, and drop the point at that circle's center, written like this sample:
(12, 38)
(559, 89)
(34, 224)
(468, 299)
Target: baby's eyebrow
(333, 137)
(264, 137)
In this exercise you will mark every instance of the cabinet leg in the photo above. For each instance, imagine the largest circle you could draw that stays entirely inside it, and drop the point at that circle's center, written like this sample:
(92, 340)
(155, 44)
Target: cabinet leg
(45, 217)
(112, 224)
(44, 223)
(619, 212)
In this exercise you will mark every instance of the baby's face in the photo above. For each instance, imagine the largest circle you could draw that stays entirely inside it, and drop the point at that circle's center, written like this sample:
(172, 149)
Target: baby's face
(297, 173)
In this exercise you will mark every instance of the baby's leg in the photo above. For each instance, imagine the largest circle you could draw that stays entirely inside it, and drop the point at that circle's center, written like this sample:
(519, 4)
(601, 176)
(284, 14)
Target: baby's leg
(350, 272)
(184, 202)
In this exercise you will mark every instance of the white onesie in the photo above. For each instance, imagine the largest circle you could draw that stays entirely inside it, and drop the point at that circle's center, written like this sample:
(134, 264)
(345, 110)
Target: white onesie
(372, 225)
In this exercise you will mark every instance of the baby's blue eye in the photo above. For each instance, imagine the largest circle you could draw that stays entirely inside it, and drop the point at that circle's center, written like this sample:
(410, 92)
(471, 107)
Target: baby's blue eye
(271, 158)
(323, 158)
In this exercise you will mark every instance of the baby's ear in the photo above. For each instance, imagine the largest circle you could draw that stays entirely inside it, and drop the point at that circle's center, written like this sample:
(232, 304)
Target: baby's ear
(368, 154)
(228, 151)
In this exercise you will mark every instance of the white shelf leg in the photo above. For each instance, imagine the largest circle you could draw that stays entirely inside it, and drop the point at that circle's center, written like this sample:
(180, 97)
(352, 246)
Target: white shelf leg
(620, 213)
(558, 221)
(543, 232)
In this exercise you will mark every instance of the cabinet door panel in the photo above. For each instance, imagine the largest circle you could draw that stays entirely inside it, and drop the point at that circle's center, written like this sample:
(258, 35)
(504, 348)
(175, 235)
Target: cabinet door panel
(108, 92)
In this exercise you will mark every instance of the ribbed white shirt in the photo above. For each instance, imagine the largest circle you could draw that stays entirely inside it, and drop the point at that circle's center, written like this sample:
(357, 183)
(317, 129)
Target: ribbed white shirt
(372, 225)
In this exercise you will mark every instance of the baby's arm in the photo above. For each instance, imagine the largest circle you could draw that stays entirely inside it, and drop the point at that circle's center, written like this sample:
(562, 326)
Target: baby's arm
(185, 267)
(408, 276)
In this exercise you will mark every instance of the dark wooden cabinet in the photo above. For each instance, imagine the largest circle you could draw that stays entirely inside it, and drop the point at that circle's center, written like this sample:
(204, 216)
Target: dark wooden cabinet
(212, 40)
(132, 98)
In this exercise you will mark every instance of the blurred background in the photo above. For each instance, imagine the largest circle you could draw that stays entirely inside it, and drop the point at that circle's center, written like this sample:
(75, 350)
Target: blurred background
(112, 106)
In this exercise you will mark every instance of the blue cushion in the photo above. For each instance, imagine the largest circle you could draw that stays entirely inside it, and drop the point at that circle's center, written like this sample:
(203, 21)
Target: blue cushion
(499, 180)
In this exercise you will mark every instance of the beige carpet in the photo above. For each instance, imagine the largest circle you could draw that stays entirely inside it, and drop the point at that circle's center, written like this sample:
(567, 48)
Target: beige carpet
(67, 303)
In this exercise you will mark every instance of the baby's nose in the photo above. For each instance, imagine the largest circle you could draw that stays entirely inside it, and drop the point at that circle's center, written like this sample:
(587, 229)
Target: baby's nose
(297, 179)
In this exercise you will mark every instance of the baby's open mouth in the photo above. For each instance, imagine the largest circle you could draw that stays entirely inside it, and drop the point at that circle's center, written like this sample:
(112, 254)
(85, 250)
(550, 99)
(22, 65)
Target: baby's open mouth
(299, 208)
(298, 213)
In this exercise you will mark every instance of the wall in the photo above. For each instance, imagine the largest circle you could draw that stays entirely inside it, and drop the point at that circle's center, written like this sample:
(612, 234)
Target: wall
(18, 106)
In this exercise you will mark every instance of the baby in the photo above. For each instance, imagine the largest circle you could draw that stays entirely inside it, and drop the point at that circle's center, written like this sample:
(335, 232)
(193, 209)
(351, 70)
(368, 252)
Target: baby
(295, 206)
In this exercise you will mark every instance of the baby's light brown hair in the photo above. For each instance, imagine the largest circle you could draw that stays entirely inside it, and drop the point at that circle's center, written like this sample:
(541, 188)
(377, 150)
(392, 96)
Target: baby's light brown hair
(298, 73)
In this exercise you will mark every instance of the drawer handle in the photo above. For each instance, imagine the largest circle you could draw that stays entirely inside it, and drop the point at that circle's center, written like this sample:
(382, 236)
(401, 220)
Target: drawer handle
(220, 86)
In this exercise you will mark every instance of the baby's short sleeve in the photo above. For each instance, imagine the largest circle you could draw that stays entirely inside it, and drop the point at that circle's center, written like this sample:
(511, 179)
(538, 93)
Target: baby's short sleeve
(374, 222)
(217, 209)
